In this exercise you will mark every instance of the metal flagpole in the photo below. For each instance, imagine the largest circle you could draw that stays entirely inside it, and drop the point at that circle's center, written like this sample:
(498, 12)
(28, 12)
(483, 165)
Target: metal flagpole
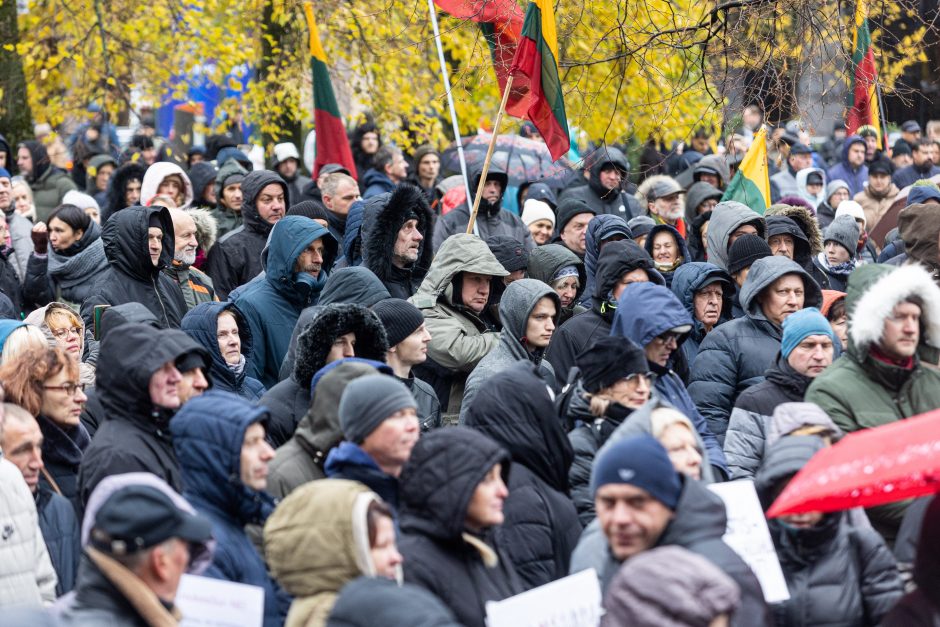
(450, 103)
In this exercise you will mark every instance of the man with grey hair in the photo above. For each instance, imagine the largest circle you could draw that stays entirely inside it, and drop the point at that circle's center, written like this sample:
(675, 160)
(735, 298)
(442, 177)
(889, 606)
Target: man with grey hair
(195, 285)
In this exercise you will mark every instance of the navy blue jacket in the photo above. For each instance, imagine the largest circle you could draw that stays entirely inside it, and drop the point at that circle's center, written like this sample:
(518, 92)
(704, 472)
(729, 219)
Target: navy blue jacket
(644, 311)
(376, 183)
(688, 279)
(349, 461)
(599, 228)
(60, 531)
(208, 433)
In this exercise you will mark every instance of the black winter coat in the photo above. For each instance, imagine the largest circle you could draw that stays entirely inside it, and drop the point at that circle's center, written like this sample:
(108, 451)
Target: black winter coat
(62, 452)
(463, 570)
(236, 258)
(60, 531)
(131, 276)
(9, 283)
(541, 527)
(429, 407)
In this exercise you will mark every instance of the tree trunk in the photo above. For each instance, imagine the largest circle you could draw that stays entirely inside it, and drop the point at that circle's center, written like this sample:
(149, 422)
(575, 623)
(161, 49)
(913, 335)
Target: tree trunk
(270, 65)
(15, 118)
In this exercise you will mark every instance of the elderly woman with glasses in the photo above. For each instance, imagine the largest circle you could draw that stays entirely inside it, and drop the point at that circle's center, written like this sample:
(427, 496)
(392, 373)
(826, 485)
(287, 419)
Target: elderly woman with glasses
(66, 330)
(45, 382)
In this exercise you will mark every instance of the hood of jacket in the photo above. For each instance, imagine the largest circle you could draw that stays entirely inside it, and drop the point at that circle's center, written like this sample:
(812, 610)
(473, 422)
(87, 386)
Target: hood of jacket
(403, 605)
(155, 175)
(680, 242)
(356, 284)
(617, 259)
(317, 540)
(646, 310)
(698, 193)
(691, 277)
(202, 323)
(40, 158)
(92, 171)
(804, 219)
(252, 185)
(782, 225)
(783, 459)
(727, 216)
(699, 515)
(767, 270)
(873, 292)
(526, 425)
(354, 221)
(545, 261)
(130, 354)
(375, 177)
(599, 229)
(456, 457)
(919, 227)
(208, 433)
(515, 307)
(598, 160)
(229, 168)
(117, 188)
(462, 252)
(125, 242)
(381, 232)
(133, 312)
(848, 143)
(713, 163)
(801, 176)
(496, 172)
(927, 564)
(201, 175)
(788, 417)
(38, 318)
(290, 237)
(207, 226)
(332, 321)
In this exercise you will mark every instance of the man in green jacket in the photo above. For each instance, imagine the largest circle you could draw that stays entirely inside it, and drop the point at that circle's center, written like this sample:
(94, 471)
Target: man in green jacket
(894, 319)
(49, 183)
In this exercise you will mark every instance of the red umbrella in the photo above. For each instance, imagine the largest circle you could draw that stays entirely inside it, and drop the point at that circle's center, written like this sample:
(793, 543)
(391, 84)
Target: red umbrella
(866, 468)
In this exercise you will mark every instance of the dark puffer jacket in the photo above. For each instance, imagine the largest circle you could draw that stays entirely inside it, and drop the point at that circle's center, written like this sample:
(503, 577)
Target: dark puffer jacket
(838, 574)
(921, 607)
(687, 280)
(370, 600)
(545, 261)
(289, 400)
(236, 257)
(131, 276)
(616, 259)
(208, 433)
(461, 569)
(117, 188)
(380, 231)
(541, 527)
(695, 195)
(62, 452)
(735, 356)
(135, 434)
(60, 531)
(202, 324)
(600, 228)
(600, 199)
(645, 311)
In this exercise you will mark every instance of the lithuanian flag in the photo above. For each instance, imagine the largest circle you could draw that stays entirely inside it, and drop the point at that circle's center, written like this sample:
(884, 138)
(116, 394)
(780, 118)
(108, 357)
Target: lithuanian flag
(751, 183)
(536, 67)
(863, 100)
(331, 142)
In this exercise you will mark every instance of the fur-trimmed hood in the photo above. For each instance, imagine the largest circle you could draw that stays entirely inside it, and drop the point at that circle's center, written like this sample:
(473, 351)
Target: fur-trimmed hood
(207, 227)
(804, 219)
(646, 185)
(380, 230)
(155, 175)
(117, 188)
(873, 292)
(314, 343)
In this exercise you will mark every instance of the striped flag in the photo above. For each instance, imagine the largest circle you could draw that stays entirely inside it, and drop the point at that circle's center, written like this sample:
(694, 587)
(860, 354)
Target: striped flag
(751, 183)
(536, 67)
(863, 99)
(331, 142)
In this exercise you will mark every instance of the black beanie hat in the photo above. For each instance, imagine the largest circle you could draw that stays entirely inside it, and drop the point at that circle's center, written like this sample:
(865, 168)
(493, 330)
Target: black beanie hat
(509, 252)
(308, 209)
(569, 208)
(399, 317)
(745, 251)
(608, 360)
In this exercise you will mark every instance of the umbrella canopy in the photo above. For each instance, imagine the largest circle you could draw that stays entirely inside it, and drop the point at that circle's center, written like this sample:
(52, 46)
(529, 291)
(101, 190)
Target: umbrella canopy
(881, 465)
(524, 160)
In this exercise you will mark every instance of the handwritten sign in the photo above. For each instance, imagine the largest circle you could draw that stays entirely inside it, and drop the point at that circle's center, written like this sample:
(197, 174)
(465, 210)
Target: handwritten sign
(574, 601)
(748, 536)
(207, 602)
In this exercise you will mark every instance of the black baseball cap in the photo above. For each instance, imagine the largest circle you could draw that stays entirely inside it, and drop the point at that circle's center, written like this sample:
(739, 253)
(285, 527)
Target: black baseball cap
(911, 126)
(333, 168)
(138, 517)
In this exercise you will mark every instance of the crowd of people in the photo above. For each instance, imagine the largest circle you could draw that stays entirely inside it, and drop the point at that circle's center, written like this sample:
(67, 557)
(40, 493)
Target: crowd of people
(327, 388)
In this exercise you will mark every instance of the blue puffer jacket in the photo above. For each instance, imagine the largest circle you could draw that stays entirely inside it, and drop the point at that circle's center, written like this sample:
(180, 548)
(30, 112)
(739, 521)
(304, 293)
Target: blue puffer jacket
(272, 302)
(855, 178)
(202, 324)
(599, 228)
(208, 433)
(349, 461)
(680, 241)
(688, 279)
(644, 311)
(60, 531)
(735, 356)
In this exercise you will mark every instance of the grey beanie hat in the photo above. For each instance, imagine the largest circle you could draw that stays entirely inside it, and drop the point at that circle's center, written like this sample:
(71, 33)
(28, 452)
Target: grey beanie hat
(844, 231)
(834, 186)
(368, 401)
(641, 225)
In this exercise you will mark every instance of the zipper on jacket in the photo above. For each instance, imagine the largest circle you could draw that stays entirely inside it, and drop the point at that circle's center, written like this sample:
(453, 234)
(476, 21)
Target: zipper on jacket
(156, 291)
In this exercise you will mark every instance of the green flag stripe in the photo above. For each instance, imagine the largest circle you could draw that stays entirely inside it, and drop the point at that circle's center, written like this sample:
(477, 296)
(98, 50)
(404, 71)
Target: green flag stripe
(323, 97)
(744, 190)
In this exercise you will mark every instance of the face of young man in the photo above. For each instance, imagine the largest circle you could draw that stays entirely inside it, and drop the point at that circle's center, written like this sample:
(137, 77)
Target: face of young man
(541, 324)
(811, 356)
(631, 519)
(901, 332)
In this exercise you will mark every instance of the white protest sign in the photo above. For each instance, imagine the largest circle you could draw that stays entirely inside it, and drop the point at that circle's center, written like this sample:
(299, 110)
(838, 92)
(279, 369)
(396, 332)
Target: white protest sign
(574, 601)
(207, 602)
(748, 536)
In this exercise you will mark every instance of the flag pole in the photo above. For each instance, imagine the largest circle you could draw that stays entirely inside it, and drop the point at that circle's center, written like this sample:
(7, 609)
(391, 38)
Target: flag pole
(450, 96)
(489, 156)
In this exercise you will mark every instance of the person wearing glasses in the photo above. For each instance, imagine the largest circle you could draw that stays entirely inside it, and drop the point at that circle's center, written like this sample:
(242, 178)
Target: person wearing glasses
(66, 330)
(655, 319)
(45, 382)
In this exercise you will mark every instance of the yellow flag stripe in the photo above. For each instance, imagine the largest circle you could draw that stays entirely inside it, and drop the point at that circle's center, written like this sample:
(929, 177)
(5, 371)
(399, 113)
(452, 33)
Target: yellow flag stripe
(316, 48)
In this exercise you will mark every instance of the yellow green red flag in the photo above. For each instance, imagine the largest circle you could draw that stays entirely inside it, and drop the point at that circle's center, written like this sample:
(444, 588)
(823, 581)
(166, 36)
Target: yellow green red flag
(751, 183)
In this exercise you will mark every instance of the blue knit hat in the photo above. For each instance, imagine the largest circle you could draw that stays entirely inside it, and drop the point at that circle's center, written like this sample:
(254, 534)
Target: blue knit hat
(5, 174)
(639, 461)
(799, 325)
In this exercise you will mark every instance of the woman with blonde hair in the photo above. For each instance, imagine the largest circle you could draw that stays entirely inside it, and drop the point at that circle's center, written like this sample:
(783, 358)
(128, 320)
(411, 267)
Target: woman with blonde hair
(16, 337)
(23, 199)
(65, 329)
(44, 381)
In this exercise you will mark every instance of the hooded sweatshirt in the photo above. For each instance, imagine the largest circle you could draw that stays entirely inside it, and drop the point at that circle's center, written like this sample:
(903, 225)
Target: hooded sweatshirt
(545, 262)
(801, 190)
(919, 227)
(855, 178)
(727, 216)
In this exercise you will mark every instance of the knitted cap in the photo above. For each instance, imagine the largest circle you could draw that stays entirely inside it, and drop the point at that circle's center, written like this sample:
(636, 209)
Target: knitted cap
(535, 210)
(844, 231)
(639, 461)
(569, 208)
(641, 225)
(608, 360)
(834, 186)
(4, 173)
(800, 325)
(852, 208)
(399, 317)
(368, 401)
(745, 251)
(881, 166)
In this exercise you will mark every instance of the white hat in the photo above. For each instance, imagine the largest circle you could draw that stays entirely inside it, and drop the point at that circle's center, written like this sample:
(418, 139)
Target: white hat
(285, 151)
(80, 200)
(534, 210)
(852, 208)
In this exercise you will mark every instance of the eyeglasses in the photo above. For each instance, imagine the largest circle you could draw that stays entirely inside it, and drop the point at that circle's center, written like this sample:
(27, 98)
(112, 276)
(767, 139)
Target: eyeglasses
(68, 388)
(669, 336)
(61, 334)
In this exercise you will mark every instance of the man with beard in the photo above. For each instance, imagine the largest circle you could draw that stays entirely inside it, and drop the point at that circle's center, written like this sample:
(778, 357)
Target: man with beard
(195, 285)
(664, 202)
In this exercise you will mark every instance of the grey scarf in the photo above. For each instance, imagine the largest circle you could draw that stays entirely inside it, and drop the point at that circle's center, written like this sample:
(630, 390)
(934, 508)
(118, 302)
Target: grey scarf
(238, 368)
(69, 271)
